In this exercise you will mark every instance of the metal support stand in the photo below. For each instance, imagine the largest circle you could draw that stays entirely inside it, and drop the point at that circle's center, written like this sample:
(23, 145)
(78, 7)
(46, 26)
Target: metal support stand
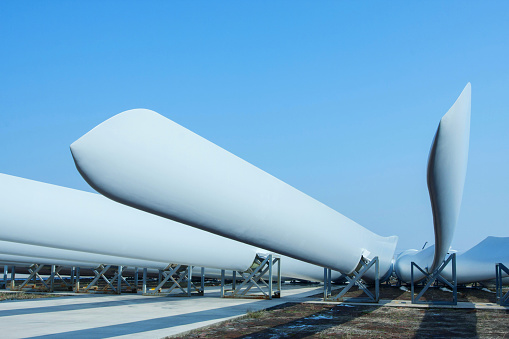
(354, 280)
(48, 285)
(119, 279)
(136, 280)
(144, 286)
(502, 299)
(255, 276)
(52, 279)
(55, 273)
(100, 273)
(202, 279)
(435, 277)
(34, 275)
(6, 272)
(180, 278)
(160, 277)
(13, 277)
(77, 279)
(73, 271)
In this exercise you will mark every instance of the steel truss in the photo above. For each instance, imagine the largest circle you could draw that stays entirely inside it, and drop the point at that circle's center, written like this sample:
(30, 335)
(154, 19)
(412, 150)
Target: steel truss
(6, 272)
(502, 299)
(433, 277)
(113, 285)
(255, 276)
(179, 276)
(13, 277)
(48, 284)
(354, 280)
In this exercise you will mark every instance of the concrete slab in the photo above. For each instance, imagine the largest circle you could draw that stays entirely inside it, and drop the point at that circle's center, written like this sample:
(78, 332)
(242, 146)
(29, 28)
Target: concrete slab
(136, 316)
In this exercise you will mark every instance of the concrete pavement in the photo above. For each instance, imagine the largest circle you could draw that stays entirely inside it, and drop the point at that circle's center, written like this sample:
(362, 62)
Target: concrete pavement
(126, 316)
(137, 316)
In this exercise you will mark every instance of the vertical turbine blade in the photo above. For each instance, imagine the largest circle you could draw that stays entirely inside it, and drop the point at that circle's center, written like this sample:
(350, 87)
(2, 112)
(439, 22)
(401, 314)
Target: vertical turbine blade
(447, 169)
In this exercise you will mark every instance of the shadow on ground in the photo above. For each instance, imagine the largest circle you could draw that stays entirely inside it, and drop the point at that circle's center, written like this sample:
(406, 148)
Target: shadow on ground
(303, 322)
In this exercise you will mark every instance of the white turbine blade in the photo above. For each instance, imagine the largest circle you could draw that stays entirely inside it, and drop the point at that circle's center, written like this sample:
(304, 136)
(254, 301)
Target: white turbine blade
(447, 169)
(57, 225)
(45, 253)
(149, 162)
(476, 264)
(41, 214)
(23, 260)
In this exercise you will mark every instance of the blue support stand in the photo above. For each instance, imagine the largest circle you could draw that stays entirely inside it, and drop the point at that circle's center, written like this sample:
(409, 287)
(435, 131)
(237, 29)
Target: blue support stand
(433, 277)
(354, 280)
(502, 299)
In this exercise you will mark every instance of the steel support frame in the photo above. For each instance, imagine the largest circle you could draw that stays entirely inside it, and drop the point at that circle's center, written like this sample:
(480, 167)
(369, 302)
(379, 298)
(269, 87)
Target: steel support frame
(55, 273)
(502, 299)
(136, 280)
(177, 275)
(433, 277)
(6, 272)
(76, 279)
(100, 273)
(34, 275)
(254, 277)
(13, 277)
(48, 283)
(354, 280)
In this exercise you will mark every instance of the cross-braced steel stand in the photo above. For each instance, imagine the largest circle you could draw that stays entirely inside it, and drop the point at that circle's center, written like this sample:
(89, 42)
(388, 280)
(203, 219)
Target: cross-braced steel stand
(100, 273)
(55, 273)
(354, 280)
(33, 277)
(502, 300)
(180, 277)
(255, 277)
(48, 284)
(13, 278)
(6, 272)
(436, 276)
(76, 279)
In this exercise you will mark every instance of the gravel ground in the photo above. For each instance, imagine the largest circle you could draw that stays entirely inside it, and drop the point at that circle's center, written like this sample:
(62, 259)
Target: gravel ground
(24, 295)
(301, 320)
(433, 294)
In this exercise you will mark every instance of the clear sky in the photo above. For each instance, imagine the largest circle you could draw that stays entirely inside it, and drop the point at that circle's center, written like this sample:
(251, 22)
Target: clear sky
(340, 99)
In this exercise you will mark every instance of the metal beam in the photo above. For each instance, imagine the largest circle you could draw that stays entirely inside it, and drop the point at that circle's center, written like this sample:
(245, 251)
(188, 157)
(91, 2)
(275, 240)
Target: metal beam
(433, 277)
(502, 299)
(176, 275)
(354, 280)
(255, 277)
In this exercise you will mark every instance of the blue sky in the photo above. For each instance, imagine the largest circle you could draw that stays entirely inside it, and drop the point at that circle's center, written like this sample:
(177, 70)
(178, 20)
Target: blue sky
(339, 99)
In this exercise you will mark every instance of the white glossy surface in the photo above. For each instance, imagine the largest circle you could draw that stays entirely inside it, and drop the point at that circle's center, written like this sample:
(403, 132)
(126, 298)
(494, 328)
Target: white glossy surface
(41, 222)
(41, 214)
(447, 169)
(476, 264)
(290, 268)
(46, 254)
(296, 269)
(22, 260)
(423, 258)
(147, 161)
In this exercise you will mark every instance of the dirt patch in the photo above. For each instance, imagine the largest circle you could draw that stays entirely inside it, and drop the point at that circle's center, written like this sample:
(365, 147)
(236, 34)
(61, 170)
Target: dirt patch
(24, 295)
(301, 320)
(466, 294)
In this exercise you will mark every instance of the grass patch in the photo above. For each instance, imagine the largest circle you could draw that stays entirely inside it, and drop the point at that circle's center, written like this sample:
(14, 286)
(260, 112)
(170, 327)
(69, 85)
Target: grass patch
(256, 314)
(25, 295)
